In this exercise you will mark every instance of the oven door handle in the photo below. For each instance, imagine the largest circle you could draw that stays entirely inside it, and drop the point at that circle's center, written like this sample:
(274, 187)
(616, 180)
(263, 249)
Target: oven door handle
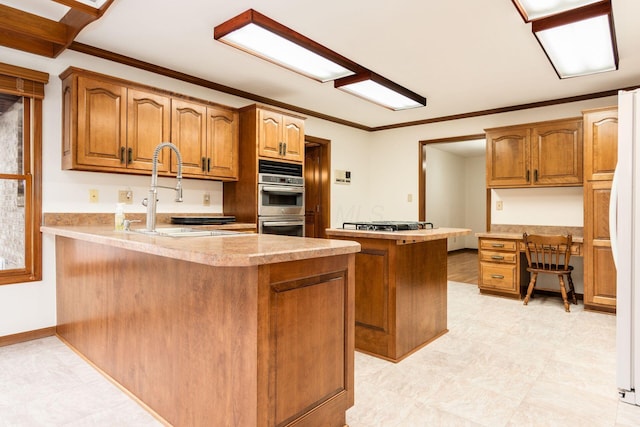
(273, 189)
(281, 223)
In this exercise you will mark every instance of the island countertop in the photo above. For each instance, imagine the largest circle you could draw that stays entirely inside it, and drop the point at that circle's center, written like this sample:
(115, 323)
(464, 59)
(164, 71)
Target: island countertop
(405, 236)
(243, 249)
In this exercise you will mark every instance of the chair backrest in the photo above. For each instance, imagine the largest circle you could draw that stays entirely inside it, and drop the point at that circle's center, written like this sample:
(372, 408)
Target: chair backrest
(547, 253)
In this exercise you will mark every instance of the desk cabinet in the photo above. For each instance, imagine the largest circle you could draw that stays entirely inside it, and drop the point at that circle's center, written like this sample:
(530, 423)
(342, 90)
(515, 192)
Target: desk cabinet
(538, 154)
(499, 262)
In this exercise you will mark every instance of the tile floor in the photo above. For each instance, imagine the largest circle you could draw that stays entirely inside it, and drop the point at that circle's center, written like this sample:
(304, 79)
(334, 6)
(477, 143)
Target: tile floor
(501, 364)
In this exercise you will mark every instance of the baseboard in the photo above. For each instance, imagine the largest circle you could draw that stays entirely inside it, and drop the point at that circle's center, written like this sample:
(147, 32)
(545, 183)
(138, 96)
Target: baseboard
(460, 251)
(27, 336)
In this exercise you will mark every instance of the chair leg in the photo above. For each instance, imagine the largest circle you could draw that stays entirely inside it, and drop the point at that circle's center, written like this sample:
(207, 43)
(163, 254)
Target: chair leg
(532, 283)
(563, 291)
(572, 289)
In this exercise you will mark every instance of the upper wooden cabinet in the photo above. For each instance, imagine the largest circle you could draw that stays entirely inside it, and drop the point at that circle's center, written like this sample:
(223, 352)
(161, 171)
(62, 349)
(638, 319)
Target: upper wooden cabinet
(113, 125)
(601, 143)
(280, 135)
(537, 154)
(207, 137)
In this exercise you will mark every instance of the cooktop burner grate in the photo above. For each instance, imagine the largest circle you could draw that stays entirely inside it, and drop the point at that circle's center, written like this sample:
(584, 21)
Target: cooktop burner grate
(388, 225)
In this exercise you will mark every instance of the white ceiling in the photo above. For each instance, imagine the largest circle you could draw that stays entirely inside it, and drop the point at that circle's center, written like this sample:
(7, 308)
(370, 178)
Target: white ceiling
(462, 55)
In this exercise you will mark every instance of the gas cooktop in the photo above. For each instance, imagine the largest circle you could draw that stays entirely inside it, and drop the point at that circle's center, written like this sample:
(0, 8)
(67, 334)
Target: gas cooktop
(388, 225)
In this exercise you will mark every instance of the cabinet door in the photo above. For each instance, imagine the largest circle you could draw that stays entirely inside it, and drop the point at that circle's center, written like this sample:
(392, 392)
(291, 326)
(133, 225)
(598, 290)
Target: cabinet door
(189, 134)
(101, 123)
(269, 133)
(556, 155)
(508, 158)
(600, 144)
(293, 138)
(148, 124)
(222, 143)
(599, 269)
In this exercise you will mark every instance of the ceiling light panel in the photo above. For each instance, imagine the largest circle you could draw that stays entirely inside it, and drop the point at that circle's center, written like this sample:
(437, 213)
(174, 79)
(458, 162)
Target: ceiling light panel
(381, 91)
(580, 48)
(261, 36)
(536, 9)
(260, 42)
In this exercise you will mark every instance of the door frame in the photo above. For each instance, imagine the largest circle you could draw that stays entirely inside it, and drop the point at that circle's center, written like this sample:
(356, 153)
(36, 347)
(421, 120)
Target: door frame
(325, 178)
(422, 171)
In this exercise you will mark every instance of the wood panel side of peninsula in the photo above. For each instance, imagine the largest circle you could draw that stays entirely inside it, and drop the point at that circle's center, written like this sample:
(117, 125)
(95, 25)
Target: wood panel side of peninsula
(201, 345)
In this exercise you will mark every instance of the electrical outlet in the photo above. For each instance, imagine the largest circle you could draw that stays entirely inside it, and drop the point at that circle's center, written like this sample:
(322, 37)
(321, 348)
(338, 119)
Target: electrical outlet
(499, 205)
(93, 196)
(206, 199)
(125, 196)
(409, 197)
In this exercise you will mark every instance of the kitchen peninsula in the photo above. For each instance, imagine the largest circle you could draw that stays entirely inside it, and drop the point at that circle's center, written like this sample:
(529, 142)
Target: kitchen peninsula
(239, 330)
(400, 288)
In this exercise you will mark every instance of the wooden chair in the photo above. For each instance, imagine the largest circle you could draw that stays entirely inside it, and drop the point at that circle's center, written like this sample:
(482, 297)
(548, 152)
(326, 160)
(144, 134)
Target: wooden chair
(549, 255)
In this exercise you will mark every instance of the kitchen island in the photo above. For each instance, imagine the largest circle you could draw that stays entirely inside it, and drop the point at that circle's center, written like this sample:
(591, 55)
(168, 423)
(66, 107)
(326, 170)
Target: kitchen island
(239, 330)
(400, 290)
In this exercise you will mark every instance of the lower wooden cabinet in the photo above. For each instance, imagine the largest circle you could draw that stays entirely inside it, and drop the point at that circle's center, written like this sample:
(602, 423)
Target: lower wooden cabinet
(268, 345)
(599, 269)
(499, 267)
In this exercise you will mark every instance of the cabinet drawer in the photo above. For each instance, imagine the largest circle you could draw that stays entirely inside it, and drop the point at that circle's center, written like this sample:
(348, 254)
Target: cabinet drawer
(498, 276)
(500, 245)
(495, 256)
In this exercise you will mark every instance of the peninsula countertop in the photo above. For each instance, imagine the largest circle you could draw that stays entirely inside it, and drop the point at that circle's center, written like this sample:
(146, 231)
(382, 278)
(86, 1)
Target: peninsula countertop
(242, 249)
(405, 236)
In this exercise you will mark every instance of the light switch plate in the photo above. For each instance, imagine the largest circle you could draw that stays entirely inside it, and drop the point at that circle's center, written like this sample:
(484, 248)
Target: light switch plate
(93, 196)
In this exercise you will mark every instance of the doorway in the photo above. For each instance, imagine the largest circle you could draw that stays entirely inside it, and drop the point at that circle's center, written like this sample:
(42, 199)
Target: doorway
(451, 184)
(317, 172)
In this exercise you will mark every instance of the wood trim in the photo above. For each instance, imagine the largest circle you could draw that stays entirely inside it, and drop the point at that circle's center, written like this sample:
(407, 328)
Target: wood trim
(42, 36)
(126, 60)
(85, 8)
(122, 59)
(325, 160)
(27, 336)
(422, 172)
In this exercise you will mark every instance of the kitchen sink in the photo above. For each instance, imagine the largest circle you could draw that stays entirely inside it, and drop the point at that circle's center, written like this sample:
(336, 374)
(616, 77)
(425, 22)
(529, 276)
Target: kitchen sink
(184, 232)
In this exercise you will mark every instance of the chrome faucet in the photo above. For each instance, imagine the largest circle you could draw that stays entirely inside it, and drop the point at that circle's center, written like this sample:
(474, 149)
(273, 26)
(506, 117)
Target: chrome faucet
(151, 200)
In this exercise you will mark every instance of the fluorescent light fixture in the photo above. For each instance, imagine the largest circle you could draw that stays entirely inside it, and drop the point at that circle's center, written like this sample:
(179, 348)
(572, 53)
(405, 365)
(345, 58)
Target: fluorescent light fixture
(263, 37)
(379, 90)
(580, 41)
(536, 9)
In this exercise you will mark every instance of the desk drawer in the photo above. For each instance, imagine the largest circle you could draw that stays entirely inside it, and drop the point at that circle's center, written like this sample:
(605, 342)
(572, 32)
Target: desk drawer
(498, 276)
(575, 248)
(498, 245)
(502, 257)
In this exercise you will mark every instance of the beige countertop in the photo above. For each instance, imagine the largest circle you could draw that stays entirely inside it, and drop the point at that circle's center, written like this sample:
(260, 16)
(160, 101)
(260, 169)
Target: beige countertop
(243, 249)
(406, 236)
(502, 231)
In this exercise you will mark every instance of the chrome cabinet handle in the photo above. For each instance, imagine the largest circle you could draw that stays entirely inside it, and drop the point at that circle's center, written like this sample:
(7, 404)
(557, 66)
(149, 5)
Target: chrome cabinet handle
(497, 257)
(497, 245)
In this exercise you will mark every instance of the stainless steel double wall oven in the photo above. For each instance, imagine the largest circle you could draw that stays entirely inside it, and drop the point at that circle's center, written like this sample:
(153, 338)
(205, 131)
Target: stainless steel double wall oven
(280, 198)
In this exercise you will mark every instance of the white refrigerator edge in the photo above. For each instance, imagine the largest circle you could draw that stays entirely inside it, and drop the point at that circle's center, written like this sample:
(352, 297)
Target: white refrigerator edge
(624, 221)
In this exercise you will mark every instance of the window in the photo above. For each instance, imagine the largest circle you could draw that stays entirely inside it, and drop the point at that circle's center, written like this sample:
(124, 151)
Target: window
(21, 94)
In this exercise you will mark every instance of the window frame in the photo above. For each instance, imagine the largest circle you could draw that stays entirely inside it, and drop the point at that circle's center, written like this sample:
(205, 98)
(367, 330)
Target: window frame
(28, 84)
